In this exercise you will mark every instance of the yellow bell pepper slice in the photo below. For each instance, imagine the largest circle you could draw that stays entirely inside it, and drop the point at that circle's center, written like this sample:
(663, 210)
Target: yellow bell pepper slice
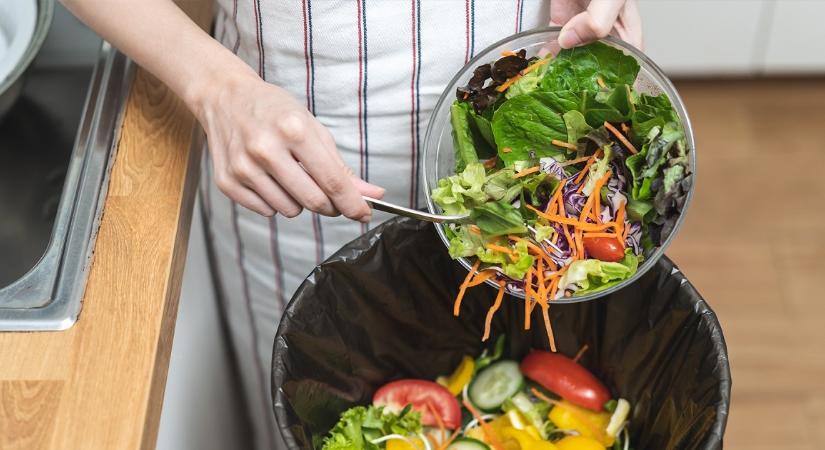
(460, 377)
(589, 424)
(525, 440)
(400, 444)
(579, 443)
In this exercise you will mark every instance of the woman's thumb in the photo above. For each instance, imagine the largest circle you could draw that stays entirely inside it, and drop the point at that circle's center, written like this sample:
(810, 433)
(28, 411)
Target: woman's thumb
(590, 25)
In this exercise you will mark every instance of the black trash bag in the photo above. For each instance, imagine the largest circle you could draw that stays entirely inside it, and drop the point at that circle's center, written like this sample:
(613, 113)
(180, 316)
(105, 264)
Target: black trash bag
(381, 309)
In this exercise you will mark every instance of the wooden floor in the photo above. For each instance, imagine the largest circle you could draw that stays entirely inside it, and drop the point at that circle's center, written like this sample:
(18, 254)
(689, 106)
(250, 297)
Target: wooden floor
(754, 245)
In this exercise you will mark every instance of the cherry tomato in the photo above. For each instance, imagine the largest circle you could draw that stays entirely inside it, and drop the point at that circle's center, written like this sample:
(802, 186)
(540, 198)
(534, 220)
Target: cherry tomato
(605, 249)
(418, 393)
(566, 378)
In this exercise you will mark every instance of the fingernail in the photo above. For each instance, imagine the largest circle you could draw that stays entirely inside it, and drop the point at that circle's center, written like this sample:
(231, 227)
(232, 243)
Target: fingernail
(569, 39)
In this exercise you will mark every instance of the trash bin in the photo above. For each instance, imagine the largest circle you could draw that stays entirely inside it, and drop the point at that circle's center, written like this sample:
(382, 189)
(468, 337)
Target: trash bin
(381, 308)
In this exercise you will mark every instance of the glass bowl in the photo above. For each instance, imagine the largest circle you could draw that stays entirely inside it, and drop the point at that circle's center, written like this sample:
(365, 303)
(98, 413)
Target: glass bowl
(438, 159)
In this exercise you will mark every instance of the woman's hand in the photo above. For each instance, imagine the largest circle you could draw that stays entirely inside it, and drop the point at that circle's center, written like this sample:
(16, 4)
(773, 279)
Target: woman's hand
(272, 156)
(584, 21)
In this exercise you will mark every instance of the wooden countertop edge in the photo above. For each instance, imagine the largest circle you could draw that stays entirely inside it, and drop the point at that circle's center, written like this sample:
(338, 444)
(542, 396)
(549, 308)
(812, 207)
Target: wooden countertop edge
(100, 384)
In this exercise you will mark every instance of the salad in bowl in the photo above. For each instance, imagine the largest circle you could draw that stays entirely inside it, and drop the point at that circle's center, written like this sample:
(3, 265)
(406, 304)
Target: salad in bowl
(575, 173)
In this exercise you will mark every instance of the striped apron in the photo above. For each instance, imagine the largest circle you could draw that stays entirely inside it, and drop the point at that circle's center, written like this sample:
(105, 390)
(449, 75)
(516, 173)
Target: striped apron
(371, 71)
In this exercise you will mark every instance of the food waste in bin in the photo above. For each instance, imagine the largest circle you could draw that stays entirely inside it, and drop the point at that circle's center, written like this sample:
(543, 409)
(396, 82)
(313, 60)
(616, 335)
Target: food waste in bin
(545, 402)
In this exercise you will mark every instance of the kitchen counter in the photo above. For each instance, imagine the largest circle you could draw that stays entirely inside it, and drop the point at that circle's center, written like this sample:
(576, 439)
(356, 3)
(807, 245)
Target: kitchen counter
(100, 383)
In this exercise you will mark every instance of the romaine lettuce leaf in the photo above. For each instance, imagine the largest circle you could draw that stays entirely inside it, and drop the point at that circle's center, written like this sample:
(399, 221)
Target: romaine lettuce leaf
(498, 218)
(597, 170)
(593, 275)
(579, 68)
(513, 269)
(527, 123)
(577, 126)
(528, 82)
(458, 194)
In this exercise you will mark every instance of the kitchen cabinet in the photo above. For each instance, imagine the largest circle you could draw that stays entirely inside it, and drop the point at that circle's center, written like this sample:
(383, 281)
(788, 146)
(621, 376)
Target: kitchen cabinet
(796, 38)
(705, 37)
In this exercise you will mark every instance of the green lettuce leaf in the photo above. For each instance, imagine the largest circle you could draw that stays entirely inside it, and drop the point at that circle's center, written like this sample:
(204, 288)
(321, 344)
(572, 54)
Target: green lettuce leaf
(361, 424)
(463, 140)
(463, 243)
(593, 275)
(577, 126)
(579, 68)
(458, 194)
(498, 218)
(501, 185)
(514, 269)
(527, 83)
(597, 170)
(526, 124)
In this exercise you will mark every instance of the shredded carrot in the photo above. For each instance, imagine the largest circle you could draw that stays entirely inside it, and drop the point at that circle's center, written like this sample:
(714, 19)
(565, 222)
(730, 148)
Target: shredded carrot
(601, 83)
(620, 220)
(466, 95)
(488, 431)
(596, 195)
(597, 432)
(574, 161)
(579, 244)
(490, 163)
(576, 223)
(508, 53)
(535, 66)
(528, 296)
(557, 194)
(601, 235)
(503, 87)
(475, 229)
(481, 277)
(584, 171)
(581, 353)
(463, 288)
(625, 128)
(621, 137)
(506, 150)
(525, 172)
(441, 428)
(492, 311)
(530, 246)
(559, 143)
(499, 248)
(548, 326)
(450, 440)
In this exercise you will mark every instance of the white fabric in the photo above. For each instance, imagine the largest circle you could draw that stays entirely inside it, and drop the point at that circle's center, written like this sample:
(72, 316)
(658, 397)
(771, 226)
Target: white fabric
(375, 109)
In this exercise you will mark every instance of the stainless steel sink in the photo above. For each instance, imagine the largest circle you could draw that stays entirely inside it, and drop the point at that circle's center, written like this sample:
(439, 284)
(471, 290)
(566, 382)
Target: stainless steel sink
(54, 173)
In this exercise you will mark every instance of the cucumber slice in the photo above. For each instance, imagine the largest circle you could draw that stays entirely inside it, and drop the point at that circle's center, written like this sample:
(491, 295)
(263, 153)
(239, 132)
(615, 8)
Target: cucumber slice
(465, 443)
(495, 384)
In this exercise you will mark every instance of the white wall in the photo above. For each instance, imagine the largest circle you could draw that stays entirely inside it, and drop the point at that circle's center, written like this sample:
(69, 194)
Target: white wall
(201, 409)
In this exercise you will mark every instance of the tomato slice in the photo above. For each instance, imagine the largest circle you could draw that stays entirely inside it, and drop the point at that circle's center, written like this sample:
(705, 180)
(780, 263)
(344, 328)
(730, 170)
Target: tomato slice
(565, 377)
(398, 394)
(604, 249)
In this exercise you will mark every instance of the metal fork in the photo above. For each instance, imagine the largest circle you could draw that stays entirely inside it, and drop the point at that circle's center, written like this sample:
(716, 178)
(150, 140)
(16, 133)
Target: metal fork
(381, 205)
(398, 210)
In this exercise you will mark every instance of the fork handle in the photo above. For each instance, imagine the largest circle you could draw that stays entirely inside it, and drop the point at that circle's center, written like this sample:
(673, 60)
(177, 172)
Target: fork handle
(398, 210)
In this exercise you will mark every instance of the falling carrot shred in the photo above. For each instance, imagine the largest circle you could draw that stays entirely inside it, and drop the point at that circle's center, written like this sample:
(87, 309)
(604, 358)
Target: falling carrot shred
(492, 311)
(526, 172)
(621, 137)
(559, 143)
(463, 288)
(581, 353)
(481, 277)
(548, 326)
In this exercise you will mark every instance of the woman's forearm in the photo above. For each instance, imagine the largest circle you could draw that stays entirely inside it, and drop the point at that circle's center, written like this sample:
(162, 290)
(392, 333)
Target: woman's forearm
(165, 41)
